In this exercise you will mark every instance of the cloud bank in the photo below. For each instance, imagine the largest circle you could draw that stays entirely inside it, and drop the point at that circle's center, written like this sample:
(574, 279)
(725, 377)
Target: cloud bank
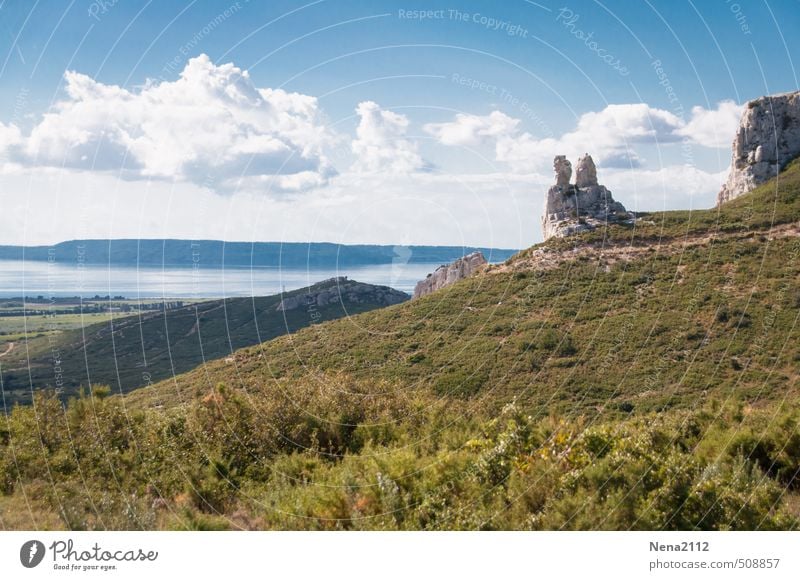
(212, 126)
(177, 145)
(610, 134)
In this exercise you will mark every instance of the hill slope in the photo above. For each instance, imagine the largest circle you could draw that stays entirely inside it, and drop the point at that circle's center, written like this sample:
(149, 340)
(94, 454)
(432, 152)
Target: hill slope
(659, 314)
(632, 378)
(134, 351)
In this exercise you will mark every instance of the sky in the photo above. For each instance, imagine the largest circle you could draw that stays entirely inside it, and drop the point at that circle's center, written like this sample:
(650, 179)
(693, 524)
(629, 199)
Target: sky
(367, 122)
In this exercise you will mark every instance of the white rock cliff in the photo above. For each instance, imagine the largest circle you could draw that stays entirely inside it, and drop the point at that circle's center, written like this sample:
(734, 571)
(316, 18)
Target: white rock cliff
(767, 139)
(450, 273)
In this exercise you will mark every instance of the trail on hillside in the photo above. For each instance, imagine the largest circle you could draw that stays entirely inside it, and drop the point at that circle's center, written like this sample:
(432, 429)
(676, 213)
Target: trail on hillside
(545, 258)
(9, 348)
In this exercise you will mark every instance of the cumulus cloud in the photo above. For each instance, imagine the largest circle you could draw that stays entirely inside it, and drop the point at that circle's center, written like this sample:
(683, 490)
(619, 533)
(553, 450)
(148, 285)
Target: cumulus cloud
(611, 135)
(669, 187)
(638, 123)
(10, 137)
(381, 145)
(713, 127)
(470, 130)
(211, 126)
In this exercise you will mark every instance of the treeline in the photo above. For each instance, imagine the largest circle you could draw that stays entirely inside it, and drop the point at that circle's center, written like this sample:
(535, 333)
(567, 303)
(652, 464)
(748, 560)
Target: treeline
(92, 308)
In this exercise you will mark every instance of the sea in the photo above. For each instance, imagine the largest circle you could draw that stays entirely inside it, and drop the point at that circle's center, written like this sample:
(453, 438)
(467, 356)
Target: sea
(51, 279)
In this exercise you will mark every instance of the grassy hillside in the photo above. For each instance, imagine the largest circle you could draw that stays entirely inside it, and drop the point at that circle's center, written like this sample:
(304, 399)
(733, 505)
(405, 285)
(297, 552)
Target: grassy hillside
(31, 317)
(631, 378)
(133, 351)
(659, 315)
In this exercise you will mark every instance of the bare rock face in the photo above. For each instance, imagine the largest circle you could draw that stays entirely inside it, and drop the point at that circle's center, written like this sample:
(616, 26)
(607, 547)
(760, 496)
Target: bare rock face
(341, 290)
(586, 175)
(571, 209)
(450, 273)
(767, 139)
(563, 169)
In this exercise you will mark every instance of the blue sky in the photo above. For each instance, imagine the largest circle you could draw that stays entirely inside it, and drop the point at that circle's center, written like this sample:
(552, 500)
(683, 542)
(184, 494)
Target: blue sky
(366, 121)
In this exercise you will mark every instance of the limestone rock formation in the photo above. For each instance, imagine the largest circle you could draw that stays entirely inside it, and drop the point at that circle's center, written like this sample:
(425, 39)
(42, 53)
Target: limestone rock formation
(570, 209)
(586, 174)
(767, 139)
(342, 290)
(563, 169)
(450, 273)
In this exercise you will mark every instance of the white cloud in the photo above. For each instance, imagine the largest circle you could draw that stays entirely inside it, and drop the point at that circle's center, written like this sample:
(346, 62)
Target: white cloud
(500, 210)
(213, 129)
(669, 187)
(42, 206)
(610, 135)
(470, 130)
(10, 137)
(380, 145)
(525, 152)
(713, 127)
(607, 134)
(637, 122)
(212, 126)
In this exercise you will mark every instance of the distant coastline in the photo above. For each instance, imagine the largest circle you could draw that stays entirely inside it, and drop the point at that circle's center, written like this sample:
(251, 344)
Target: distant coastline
(215, 253)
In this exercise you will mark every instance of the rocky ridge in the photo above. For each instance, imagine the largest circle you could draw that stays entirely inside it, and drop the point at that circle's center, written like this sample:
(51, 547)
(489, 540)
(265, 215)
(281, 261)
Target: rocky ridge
(607, 253)
(450, 273)
(342, 290)
(768, 138)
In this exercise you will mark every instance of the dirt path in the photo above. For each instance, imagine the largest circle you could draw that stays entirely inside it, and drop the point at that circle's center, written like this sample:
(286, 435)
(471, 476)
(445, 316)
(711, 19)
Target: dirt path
(547, 258)
(9, 348)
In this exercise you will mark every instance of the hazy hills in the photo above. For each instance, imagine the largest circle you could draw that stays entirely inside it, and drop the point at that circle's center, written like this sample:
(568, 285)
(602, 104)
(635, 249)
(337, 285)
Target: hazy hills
(169, 252)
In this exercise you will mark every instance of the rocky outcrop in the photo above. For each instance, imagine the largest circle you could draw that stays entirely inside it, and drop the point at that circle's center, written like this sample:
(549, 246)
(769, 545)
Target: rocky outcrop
(341, 290)
(571, 209)
(767, 139)
(586, 175)
(563, 169)
(450, 273)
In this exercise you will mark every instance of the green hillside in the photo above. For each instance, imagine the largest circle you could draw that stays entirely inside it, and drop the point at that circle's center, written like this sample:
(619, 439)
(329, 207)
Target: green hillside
(640, 377)
(129, 352)
(646, 318)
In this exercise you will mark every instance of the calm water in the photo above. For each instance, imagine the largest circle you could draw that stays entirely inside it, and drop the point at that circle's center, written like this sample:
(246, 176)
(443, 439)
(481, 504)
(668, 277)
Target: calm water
(30, 278)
